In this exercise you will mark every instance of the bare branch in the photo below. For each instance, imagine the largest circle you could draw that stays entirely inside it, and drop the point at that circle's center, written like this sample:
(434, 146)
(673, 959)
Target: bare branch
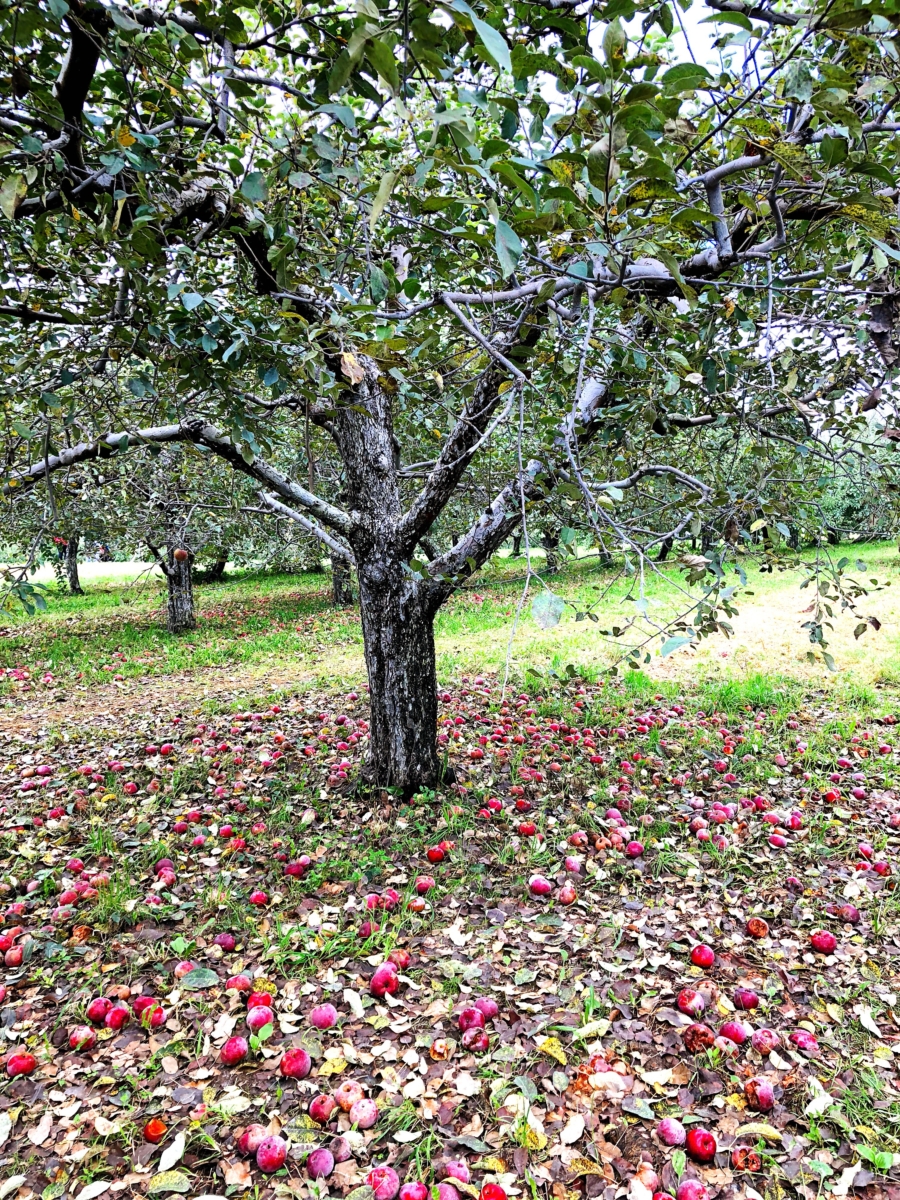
(756, 12)
(201, 434)
(282, 510)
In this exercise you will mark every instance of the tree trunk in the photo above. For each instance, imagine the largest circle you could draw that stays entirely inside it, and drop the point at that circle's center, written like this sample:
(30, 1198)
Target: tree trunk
(398, 635)
(550, 544)
(216, 570)
(311, 557)
(71, 562)
(341, 585)
(179, 577)
(665, 549)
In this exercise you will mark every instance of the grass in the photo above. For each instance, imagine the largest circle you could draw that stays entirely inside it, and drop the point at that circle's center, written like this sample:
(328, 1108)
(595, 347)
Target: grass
(269, 624)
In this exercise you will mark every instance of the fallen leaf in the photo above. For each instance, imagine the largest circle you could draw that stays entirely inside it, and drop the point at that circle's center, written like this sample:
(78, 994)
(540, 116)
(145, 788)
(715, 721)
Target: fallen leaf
(106, 1128)
(352, 999)
(237, 1174)
(585, 1166)
(169, 1181)
(573, 1129)
(172, 1153)
(39, 1134)
(332, 1066)
(553, 1047)
(466, 1084)
(93, 1190)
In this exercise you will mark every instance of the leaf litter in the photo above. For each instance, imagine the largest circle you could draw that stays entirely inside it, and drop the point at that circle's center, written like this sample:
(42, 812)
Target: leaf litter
(155, 860)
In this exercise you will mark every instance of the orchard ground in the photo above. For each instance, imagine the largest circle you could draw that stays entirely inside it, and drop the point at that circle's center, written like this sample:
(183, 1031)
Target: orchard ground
(600, 831)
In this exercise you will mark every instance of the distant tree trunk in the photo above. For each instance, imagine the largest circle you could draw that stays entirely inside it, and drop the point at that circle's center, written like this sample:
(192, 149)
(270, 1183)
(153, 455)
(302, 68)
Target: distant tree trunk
(341, 585)
(216, 570)
(517, 544)
(311, 557)
(550, 544)
(178, 570)
(665, 549)
(71, 564)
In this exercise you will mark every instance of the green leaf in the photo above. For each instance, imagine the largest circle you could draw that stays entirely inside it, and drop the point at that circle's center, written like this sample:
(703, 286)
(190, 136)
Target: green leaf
(508, 246)
(891, 253)
(385, 187)
(547, 609)
(494, 42)
(679, 1162)
(200, 977)
(384, 60)
(797, 80)
(685, 78)
(378, 284)
(674, 643)
(340, 72)
(12, 192)
(254, 188)
(123, 20)
(191, 300)
(730, 18)
(833, 150)
(527, 1087)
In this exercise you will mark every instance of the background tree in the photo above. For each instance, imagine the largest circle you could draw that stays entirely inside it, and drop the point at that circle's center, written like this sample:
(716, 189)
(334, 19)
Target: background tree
(518, 230)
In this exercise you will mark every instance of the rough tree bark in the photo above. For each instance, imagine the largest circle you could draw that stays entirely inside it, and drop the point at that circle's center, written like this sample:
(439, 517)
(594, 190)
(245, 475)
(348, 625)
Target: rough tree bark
(178, 568)
(397, 609)
(71, 565)
(180, 617)
(341, 584)
(550, 546)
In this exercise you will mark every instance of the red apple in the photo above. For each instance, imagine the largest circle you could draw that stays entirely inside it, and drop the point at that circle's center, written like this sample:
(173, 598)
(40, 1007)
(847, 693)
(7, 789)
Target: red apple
(384, 1181)
(234, 1051)
(700, 1144)
(20, 1063)
(296, 1063)
(82, 1037)
(271, 1154)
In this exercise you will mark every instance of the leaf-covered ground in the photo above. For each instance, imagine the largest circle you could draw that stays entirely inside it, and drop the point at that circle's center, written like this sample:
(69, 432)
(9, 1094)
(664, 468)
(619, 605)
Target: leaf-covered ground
(654, 827)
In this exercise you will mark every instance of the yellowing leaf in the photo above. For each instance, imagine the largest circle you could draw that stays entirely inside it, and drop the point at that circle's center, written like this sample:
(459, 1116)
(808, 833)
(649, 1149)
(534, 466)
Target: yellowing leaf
(169, 1181)
(553, 1047)
(758, 1129)
(494, 1166)
(332, 1066)
(385, 187)
(12, 192)
(352, 368)
(534, 1139)
(835, 1012)
(125, 138)
(585, 1166)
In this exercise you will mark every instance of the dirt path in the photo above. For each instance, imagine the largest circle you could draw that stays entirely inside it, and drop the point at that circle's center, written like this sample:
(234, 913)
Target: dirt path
(120, 701)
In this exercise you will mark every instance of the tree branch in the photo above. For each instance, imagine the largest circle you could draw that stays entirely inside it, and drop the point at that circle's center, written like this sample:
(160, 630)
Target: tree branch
(198, 432)
(756, 12)
(282, 510)
(471, 428)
